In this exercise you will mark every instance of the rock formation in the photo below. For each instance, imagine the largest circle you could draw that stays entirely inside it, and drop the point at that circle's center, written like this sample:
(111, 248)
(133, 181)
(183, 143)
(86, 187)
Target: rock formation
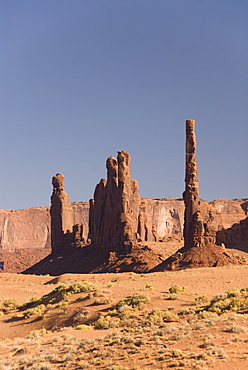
(235, 236)
(200, 230)
(114, 211)
(25, 229)
(159, 219)
(61, 215)
(118, 222)
(191, 193)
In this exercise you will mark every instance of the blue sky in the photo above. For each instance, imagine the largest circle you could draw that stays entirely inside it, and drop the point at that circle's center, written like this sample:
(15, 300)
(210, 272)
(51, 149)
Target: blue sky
(83, 79)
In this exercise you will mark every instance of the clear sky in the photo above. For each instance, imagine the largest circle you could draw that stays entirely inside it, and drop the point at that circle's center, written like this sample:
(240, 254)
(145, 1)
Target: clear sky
(83, 79)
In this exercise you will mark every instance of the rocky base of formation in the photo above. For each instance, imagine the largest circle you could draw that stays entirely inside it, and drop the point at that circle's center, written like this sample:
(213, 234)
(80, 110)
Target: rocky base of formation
(195, 257)
(153, 257)
(87, 260)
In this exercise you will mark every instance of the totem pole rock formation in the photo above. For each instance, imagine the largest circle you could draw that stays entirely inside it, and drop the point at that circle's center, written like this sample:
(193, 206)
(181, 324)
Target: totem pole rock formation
(198, 223)
(200, 226)
(114, 211)
(191, 193)
(61, 215)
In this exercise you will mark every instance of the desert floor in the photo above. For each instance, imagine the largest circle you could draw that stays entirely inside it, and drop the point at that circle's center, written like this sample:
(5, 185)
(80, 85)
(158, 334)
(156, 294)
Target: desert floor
(170, 320)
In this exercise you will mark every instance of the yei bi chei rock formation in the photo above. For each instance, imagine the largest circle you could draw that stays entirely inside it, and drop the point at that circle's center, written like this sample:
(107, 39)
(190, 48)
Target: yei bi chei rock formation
(115, 222)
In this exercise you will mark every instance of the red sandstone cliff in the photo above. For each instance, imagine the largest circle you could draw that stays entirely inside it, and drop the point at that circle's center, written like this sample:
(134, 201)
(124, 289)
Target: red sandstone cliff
(30, 228)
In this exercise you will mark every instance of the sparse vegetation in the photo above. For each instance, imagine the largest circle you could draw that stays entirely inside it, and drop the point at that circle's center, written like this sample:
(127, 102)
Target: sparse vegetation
(175, 289)
(137, 332)
(136, 300)
(200, 300)
(225, 302)
(10, 304)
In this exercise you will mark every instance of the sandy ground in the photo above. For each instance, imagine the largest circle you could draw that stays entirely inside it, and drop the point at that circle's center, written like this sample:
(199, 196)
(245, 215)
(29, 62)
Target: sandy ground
(132, 339)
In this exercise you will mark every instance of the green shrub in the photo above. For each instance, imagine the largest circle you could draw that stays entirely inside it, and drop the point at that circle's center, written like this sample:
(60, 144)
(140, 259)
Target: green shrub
(149, 286)
(82, 287)
(11, 303)
(200, 299)
(83, 327)
(102, 323)
(161, 316)
(235, 304)
(177, 289)
(33, 311)
(100, 301)
(244, 291)
(136, 300)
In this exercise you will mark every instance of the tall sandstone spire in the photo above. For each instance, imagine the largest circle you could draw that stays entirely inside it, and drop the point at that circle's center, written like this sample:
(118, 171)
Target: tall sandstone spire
(114, 211)
(191, 193)
(199, 229)
(61, 214)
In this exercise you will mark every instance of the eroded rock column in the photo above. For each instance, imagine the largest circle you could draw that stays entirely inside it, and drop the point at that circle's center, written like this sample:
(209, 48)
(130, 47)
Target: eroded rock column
(61, 215)
(191, 193)
(199, 229)
(114, 212)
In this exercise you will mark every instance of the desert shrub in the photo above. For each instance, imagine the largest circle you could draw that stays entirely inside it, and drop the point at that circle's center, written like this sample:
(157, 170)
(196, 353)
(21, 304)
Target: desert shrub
(56, 290)
(221, 305)
(102, 322)
(149, 286)
(59, 288)
(11, 303)
(20, 351)
(186, 311)
(200, 299)
(33, 311)
(219, 297)
(244, 291)
(207, 344)
(101, 301)
(61, 304)
(123, 313)
(113, 312)
(83, 327)
(205, 315)
(177, 289)
(33, 300)
(65, 296)
(218, 306)
(238, 304)
(167, 329)
(82, 287)
(59, 294)
(161, 316)
(36, 333)
(178, 353)
(233, 292)
(136, 300)
(237, 329)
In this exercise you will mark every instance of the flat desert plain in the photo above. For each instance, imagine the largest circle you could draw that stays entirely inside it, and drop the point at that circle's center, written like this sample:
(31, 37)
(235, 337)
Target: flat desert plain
(189, 319)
